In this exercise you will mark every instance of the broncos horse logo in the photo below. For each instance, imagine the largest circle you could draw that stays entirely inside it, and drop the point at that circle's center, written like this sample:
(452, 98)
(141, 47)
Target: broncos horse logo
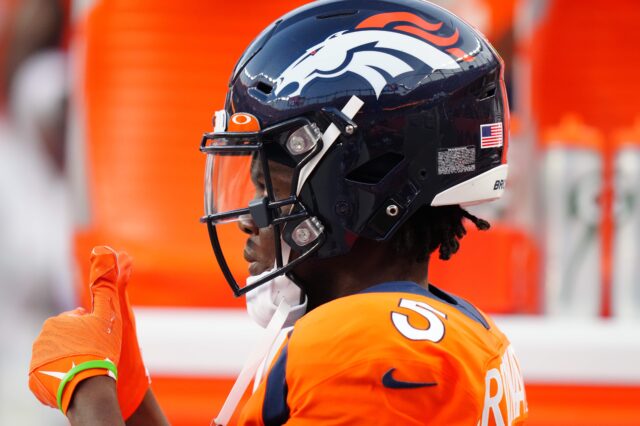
(408, 34)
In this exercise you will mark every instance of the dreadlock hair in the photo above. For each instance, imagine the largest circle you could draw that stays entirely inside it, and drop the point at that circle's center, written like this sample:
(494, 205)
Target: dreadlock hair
(434, 227)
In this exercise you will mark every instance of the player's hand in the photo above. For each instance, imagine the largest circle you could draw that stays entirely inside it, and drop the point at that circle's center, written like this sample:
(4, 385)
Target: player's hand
(133, 380)
(76, 345)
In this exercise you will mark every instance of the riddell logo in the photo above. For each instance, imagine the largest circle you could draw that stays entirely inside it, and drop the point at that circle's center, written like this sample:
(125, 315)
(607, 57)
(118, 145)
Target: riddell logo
(401, 32)
(498, 185)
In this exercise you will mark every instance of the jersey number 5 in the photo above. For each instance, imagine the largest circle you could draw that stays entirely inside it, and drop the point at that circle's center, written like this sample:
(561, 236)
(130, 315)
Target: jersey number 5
(434, 331)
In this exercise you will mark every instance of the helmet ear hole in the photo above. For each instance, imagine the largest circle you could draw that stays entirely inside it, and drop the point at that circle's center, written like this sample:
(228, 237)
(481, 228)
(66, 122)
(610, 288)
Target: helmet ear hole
(374, 171)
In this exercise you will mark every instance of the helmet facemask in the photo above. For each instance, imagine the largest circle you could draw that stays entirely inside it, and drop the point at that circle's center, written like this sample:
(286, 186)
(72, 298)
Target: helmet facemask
(239, 185)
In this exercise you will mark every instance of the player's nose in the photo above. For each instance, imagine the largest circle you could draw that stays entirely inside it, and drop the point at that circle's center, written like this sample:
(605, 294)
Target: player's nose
(247, 225)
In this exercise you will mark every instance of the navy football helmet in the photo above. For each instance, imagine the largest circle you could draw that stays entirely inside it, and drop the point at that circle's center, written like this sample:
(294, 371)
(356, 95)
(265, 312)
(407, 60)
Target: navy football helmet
(379, 107)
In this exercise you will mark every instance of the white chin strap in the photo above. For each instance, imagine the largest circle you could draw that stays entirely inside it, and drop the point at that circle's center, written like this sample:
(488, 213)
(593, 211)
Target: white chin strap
(274, 305)
(262, 302)
(252, 364)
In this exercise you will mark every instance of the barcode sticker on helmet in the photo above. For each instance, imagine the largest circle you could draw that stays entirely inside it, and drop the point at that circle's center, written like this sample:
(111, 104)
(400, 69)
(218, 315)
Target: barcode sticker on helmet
(456, 160)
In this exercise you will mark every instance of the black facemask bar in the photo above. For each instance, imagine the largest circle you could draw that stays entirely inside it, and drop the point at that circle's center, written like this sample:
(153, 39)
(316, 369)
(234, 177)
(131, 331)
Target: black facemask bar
(280, 270)
(266, 211)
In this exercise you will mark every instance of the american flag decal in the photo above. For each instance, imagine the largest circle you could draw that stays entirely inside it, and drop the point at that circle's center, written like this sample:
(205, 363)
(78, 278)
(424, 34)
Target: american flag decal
(491, 135)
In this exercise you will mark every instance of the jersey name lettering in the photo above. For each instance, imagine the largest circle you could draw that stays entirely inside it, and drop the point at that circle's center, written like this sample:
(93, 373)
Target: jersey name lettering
(504, 383)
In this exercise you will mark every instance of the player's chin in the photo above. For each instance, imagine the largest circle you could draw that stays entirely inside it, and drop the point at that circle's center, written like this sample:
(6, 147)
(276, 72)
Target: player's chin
(257, 268)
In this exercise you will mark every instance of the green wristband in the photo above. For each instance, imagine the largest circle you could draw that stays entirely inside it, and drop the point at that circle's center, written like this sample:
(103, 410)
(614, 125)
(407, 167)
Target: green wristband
(98, 363)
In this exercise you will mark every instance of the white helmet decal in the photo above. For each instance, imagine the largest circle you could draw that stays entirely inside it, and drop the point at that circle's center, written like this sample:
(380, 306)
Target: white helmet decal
(335, 56)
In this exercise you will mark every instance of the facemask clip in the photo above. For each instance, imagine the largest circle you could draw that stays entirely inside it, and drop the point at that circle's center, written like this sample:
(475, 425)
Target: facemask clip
(342, 121)
(307, 232)
(304, 139)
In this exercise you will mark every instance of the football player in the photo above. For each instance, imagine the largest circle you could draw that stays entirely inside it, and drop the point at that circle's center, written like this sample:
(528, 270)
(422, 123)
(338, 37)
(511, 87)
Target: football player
(352, 134)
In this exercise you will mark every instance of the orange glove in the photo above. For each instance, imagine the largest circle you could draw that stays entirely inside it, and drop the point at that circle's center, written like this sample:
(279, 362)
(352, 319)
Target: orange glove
(133, 379)
(77, 345)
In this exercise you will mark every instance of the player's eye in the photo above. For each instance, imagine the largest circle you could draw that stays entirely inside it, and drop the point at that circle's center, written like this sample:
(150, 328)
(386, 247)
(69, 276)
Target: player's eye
(259, 185)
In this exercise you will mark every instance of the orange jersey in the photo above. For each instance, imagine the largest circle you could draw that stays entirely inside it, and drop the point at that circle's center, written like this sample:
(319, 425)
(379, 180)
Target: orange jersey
(396, 353)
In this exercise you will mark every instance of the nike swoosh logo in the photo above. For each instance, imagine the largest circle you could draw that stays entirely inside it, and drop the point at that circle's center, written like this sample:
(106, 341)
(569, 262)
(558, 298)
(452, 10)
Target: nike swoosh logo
(390, 382)
(59, 375)
(54, 374)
